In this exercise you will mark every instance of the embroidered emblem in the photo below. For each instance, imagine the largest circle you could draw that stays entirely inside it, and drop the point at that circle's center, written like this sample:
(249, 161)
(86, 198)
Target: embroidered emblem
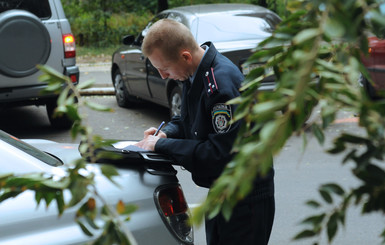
(221, 117)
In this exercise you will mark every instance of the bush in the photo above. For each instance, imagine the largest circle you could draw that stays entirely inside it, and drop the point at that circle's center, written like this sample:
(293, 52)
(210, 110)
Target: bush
(100, 31)
(103, 23)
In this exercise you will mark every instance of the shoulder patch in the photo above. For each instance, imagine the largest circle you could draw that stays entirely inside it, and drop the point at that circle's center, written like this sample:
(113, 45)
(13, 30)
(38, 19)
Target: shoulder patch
(221, 117)
(210, 82)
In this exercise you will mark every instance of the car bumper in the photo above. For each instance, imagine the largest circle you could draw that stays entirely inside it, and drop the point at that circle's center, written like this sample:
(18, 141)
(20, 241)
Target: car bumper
(25, 95)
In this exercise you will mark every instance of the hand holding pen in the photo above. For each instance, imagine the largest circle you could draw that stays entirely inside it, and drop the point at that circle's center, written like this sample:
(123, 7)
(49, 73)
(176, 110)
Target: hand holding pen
(159, 128)
(150, 139)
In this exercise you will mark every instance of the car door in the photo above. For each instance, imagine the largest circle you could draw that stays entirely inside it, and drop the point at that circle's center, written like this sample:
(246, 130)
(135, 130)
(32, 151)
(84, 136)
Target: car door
(156, 85)
(136, 73)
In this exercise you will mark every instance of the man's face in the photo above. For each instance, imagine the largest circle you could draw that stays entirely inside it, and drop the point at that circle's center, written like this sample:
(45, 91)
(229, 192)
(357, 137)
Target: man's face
(176, 70)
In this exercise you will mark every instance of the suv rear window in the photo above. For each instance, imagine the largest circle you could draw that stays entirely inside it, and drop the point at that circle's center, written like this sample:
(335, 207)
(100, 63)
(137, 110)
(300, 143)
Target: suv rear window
(40, 8)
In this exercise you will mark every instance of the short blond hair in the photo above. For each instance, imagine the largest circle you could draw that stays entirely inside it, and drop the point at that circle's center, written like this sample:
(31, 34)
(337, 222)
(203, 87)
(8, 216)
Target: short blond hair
(170, 37)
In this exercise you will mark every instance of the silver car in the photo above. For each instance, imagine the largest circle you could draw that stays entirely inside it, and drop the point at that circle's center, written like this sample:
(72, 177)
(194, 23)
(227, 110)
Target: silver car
(34, 32)
(149, 183)
(235, 30)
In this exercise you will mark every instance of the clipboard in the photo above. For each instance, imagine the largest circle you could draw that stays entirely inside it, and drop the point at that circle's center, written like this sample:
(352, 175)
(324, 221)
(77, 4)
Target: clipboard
(130, 155)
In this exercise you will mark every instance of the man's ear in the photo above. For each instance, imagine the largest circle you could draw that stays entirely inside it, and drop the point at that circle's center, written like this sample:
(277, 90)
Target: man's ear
(186, 56)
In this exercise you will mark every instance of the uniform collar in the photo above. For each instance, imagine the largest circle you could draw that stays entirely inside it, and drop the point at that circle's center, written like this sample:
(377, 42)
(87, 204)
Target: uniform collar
(206, 48)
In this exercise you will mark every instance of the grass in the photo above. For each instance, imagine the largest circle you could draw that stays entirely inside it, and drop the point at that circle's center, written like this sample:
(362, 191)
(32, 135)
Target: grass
(94, 54)
(93, 51)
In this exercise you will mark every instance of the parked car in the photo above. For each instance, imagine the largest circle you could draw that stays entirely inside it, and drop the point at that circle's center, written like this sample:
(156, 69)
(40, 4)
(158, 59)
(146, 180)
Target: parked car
(375, 64)
(150, 183)
(235, 30)
(34, 32)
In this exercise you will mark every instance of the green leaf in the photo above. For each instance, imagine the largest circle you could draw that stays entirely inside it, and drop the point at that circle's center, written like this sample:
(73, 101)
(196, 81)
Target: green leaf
(332, 226)
(326, 195)
(109, 171)
(315, 220)
(91, 222)
(305, 234)
(60, 202)
(333, 188)
(62, 184)
(73, 113)
(227, 210)
(306, 34)
(85, 84)
(9, 194)
(84, 228)
(215, 211)
(98, 107)
(48, 197)
(313, 204)
(318, 133)
(333, 28)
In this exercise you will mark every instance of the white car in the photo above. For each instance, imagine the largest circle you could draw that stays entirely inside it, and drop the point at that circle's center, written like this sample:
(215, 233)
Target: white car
(148, 183)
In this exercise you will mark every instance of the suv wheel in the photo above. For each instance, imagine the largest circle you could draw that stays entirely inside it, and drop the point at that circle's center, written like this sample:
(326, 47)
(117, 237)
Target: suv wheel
(175, 101)
(57, 121)
(123, 98)
(28, 43)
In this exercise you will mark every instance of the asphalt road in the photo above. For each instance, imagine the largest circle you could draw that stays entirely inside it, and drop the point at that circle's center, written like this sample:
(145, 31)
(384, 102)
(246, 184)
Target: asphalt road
(298, 172)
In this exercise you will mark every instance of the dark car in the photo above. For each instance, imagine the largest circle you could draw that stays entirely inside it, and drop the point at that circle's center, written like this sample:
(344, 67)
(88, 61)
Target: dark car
(235, 30)
(375, 64)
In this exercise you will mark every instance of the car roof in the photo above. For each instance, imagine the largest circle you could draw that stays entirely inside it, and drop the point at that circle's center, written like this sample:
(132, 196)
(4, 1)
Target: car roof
(220, 19)
(220, 8)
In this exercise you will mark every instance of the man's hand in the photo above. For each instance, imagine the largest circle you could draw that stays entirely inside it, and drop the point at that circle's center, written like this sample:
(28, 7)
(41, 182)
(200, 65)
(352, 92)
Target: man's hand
(149, 140)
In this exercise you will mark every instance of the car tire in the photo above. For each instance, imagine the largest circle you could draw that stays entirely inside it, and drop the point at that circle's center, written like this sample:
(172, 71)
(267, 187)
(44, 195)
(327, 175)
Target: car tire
(57, 121)
(28, 43)
(123, 98)
(369, 88)
(175, 101)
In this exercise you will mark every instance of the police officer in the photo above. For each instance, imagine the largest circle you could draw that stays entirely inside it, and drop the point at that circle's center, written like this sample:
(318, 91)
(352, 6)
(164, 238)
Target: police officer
(201, 139)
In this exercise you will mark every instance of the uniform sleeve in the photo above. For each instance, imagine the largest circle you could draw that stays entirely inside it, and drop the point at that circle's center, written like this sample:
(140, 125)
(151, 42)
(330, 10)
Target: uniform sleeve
(205, 159)
(174, 128)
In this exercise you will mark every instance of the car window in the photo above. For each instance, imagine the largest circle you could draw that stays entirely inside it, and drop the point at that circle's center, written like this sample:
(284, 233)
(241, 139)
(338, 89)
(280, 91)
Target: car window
(231, 28)
(42, 156)
(40, 8)
(141, 35)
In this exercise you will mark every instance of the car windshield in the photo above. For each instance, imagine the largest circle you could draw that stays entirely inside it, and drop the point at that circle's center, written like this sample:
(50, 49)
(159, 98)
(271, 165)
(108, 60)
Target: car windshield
(42, 156)
(232, 28)
(40, 8)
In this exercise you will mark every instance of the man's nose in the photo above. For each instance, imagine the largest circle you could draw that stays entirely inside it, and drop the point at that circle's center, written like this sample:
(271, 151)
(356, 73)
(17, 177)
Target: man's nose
(164, 75)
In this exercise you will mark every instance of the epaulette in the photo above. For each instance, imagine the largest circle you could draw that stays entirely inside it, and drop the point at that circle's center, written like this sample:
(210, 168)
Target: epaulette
(210, 82)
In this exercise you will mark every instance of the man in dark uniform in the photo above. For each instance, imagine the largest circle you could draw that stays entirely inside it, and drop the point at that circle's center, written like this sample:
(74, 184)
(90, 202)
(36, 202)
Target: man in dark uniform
(201, 139)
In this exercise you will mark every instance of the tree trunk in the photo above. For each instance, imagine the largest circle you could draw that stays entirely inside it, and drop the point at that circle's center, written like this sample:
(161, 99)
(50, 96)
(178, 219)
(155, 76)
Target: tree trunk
(162, 5)
(263, 3)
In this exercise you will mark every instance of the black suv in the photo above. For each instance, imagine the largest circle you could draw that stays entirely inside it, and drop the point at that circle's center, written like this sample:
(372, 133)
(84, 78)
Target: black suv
(34, 32)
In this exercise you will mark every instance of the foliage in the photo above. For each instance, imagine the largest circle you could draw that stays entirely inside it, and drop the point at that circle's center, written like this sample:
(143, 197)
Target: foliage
(94, 213)
(103, 23)
(315, 55)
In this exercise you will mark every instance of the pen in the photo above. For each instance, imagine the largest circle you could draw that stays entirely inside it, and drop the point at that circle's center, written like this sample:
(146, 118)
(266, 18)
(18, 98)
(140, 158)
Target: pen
(159, 128)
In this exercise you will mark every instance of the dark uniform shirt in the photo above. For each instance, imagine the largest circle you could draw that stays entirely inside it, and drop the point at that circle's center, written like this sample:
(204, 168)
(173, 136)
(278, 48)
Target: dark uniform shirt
(201, 139)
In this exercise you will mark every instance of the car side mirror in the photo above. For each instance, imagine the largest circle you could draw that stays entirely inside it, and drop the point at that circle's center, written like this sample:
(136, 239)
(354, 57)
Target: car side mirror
(128, 40)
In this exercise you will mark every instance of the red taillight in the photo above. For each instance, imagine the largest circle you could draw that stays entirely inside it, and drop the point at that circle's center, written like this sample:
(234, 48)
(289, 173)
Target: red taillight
(73, 78)
(173, 208)
(172, 202)
(69, 46)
